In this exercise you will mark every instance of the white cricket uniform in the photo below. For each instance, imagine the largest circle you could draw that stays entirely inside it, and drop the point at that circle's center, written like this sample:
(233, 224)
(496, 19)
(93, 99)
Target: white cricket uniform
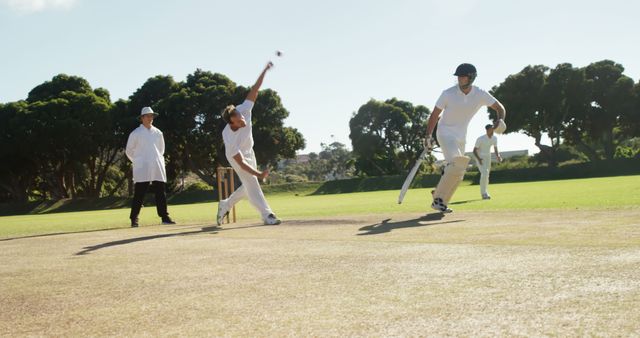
(241, 141)
(457, 111)
(145, 149)
(484, 144)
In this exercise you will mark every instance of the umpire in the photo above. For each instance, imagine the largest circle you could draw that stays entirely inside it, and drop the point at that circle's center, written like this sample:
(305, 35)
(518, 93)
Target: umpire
(145, 149)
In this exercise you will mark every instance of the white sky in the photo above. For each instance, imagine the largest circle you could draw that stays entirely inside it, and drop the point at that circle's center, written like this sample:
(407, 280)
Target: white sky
(337, 54)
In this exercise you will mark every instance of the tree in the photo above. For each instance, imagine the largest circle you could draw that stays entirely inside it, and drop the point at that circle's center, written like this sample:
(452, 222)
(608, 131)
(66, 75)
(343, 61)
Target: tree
(385, 135)
(611, 100)
(60, 140)
(630, 122)
(19, 169)
(523, 95)
(81, 147)
(339, 159)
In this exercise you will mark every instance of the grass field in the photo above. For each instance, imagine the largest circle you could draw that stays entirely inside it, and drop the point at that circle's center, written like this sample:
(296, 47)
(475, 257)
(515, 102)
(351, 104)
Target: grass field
(595, 193)
(539, 259)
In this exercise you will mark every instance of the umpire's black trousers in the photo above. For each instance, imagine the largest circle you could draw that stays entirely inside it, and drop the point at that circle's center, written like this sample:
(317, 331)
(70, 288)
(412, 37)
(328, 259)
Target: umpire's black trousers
(140, 189)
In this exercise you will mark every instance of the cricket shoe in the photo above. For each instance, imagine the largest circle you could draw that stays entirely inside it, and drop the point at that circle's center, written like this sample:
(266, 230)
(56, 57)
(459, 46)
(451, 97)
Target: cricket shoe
(167, 220)
(222, 211)
(486, 197)
(134, 222)
(439, 205)
(272, 220)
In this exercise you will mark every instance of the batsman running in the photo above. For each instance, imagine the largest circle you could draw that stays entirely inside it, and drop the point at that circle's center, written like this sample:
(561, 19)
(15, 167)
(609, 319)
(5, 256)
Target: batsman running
(238, 142)
(457, 105)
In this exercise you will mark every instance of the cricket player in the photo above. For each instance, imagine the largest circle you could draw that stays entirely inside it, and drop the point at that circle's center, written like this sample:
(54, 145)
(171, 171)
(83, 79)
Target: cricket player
(482, 153)
(238, 142)
(457, 105)
(145, 149)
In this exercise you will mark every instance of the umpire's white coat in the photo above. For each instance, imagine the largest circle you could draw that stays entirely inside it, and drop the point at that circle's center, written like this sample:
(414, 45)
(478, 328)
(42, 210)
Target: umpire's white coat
(145, 149)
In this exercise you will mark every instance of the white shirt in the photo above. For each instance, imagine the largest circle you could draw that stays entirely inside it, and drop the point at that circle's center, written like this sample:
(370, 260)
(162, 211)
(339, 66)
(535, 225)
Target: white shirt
(484, 143)
(241, 140)
(458, 109)
(145, 149)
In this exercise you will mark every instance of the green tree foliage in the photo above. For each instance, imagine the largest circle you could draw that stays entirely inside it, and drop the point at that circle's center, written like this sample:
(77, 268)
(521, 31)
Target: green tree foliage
(17, 153)
(611, 98)
(387, 135)
(584, 107)
(630, 123)
(74, 131)
(534, 98)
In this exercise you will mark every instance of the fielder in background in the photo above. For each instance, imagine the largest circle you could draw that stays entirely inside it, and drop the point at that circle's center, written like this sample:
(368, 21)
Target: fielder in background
(238, 142)
(457, 105)
(145, 149)
(482, 152)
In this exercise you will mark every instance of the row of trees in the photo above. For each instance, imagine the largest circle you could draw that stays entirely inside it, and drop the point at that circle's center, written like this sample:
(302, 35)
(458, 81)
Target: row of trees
(67, 139)
(594, 109)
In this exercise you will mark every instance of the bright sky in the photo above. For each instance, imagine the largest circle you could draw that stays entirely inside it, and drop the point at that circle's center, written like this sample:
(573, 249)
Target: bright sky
(337, 53)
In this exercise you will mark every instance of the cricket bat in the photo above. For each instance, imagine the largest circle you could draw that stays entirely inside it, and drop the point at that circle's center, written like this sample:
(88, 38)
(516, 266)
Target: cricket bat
(412, 174)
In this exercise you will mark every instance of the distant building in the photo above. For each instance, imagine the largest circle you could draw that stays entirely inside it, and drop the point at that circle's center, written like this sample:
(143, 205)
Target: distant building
(505, 154)
(302, 158)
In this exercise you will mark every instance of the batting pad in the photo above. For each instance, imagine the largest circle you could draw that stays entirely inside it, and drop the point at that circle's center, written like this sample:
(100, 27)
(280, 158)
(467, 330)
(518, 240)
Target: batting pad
(453, 175)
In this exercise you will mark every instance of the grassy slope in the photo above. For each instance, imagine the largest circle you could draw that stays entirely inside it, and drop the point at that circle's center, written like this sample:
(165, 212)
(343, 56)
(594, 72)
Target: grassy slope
(595, 193)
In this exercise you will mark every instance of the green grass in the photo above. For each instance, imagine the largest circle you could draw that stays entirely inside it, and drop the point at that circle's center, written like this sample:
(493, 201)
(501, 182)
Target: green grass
(592, 193)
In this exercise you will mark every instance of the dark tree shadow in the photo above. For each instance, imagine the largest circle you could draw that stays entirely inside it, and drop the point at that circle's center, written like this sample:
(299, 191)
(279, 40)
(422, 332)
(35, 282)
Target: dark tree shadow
(387, 226)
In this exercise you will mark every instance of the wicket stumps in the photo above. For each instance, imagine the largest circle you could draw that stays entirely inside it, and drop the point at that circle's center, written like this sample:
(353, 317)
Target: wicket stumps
(226, 187)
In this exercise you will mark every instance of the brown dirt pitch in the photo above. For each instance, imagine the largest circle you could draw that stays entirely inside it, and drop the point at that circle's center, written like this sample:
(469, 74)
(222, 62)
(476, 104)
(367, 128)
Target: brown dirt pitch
(558, 273)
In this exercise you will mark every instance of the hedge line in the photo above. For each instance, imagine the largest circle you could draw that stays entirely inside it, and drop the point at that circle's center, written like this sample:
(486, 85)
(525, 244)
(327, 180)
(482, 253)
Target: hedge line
(618, 167)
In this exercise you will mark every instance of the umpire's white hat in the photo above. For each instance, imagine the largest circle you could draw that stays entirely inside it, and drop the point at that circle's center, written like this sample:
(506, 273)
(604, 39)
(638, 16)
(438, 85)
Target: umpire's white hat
(147, 110)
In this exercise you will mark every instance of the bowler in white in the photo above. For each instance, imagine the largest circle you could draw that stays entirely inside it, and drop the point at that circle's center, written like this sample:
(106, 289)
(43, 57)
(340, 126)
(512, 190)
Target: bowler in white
(238, 143)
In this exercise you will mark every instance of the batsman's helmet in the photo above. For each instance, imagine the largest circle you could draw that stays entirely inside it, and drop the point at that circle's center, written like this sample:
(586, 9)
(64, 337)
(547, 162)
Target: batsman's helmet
(466, 69)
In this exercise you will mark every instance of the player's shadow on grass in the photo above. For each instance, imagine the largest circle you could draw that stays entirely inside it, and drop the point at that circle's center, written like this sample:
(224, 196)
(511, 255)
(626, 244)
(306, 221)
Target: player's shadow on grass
(211, 229)
(464, 202)
(386, 226)
(89, 249)
(56, 234)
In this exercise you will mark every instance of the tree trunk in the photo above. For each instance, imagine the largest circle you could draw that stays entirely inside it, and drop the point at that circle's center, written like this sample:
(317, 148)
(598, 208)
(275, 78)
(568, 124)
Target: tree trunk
(549, 152)
(609, 147)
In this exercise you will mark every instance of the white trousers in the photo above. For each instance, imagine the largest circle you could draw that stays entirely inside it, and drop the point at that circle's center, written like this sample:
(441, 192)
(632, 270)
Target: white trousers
(250, 188)
(450, 145)
(484, 169)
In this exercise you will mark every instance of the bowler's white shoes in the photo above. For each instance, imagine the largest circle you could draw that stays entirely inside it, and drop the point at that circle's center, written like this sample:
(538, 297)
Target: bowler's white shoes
(222, 211)
(272, 220)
